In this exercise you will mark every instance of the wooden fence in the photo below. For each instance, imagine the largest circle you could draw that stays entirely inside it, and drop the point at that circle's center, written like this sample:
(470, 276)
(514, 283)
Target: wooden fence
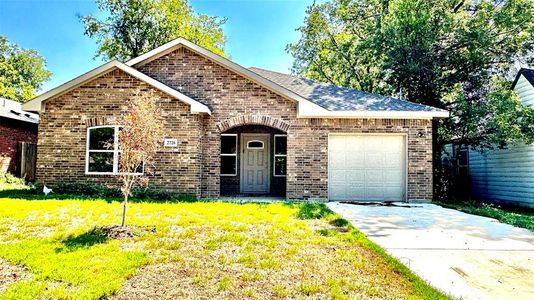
(27, 158)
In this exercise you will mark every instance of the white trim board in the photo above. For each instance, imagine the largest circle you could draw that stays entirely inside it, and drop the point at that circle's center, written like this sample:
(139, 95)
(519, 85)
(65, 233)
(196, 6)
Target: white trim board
(37, 103)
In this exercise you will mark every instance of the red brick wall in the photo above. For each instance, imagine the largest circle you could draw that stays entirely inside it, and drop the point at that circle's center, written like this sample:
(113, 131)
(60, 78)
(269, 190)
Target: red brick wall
(12, 132)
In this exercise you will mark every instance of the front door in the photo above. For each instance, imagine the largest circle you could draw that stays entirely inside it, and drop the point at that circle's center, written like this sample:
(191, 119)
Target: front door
(255, 163)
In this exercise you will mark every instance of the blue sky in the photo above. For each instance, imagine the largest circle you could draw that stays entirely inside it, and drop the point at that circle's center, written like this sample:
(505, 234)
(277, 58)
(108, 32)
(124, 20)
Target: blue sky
(257, 31)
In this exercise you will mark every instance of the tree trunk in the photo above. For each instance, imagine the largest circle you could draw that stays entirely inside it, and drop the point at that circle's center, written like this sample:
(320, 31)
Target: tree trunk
(124, 204)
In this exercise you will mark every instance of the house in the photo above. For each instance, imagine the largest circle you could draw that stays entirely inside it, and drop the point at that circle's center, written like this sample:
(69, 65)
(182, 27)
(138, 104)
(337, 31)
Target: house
(237, 131)
(506, 175)
(16, 126)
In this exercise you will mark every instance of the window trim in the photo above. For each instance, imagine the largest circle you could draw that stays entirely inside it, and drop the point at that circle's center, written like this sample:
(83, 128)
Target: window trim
(278, 155)
(229, 154)
(115, 152)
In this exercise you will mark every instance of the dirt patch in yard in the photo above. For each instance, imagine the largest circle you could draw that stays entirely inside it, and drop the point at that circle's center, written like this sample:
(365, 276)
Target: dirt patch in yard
(10, 274)
(316, 264)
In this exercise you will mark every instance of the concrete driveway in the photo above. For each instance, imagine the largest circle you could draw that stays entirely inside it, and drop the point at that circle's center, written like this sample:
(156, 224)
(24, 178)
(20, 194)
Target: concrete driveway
(466, 256)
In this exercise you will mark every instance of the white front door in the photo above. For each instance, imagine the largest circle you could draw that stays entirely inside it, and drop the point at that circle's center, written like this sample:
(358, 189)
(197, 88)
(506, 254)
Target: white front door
(255, 163)
(366, 167)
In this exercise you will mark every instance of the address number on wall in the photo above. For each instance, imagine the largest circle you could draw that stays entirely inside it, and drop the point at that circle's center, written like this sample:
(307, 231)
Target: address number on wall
(170, 143)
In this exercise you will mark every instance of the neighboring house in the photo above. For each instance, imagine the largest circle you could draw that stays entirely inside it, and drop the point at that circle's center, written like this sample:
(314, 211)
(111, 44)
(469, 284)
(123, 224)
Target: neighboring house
(230, 130)
(16, 126)
(507, 176)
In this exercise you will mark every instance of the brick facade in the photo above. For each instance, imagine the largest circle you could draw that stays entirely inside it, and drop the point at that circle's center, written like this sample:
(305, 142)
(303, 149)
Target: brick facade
(12, 132)
(234, 101)
(63, 134)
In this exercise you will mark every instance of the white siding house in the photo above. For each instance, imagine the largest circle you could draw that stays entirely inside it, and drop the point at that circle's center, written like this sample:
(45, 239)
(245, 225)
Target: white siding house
(507, 176)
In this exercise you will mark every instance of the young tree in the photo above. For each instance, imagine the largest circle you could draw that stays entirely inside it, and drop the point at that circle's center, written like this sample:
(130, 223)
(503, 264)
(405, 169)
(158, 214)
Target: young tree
(140, 138)
(451, 54)
(134, 27)
(22, 71)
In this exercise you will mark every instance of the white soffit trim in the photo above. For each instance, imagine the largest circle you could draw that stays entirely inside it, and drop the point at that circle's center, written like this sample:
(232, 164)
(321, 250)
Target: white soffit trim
(224, 62)
(36, 103)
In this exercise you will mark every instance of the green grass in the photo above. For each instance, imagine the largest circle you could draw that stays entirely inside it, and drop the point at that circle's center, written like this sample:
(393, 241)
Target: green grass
(200, 249)
(519, 217)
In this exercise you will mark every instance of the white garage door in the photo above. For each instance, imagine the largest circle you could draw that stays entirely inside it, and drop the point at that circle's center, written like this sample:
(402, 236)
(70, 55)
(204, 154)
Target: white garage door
(366, 167)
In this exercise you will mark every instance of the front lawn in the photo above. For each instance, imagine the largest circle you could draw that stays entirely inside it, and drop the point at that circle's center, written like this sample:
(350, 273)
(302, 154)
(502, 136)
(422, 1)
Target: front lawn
(193, 250)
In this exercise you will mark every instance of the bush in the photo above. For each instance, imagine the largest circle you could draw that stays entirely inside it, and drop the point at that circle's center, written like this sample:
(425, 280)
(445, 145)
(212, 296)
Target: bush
(104, 191)
(8, 178)
(87, 189)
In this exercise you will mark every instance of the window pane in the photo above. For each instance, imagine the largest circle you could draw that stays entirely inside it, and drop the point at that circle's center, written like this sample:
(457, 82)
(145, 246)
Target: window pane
(280, 145)
(101, 138)
(101, 162)
(255, 145)
(228, 165)
(228, 144)
(280, 166)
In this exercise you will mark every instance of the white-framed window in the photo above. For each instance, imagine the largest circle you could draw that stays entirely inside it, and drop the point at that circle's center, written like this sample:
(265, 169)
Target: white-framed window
(280, 155)
(254, 144)
(228, 155)
(103, 152)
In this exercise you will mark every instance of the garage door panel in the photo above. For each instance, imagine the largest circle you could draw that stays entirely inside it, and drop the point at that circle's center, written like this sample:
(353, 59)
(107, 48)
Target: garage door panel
(392, 176)
(375, 177)
(366, 167)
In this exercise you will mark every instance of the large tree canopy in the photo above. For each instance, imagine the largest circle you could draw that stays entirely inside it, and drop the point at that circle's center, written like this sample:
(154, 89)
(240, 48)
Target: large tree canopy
(134, 27)
(450, 54)
(22, 71)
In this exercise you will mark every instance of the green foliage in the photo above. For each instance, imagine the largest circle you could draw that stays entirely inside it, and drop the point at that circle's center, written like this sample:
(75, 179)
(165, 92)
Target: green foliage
(10, 179)
(87, 189)
(97, 190)
(22, 71)
(520, 217)
(455, 55)
(134, 27)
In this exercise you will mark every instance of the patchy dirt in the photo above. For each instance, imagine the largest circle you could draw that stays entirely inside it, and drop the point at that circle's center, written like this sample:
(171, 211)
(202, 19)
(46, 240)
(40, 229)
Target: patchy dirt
(124, 232)
(10, 274)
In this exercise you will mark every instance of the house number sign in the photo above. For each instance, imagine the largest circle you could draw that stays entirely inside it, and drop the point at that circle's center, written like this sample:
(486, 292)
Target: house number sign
(171, 143)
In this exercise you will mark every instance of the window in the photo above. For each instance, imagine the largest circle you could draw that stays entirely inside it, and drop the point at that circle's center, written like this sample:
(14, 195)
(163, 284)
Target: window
(228, 154)
(103, 151)
(255, 145)
(280, 155)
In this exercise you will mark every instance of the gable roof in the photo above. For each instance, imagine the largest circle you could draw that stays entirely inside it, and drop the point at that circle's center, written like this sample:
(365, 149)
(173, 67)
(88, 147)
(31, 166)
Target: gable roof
(222, 61)
(528, 73)
(36, 103)
(315, 100)
(336, 98)
(13, 110)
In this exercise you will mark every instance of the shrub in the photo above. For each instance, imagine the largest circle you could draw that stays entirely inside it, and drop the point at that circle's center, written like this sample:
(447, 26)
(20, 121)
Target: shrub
(8, 178)
(105, 191)
(87, 189)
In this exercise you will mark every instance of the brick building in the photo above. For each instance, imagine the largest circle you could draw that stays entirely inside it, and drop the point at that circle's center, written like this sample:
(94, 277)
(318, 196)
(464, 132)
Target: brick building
(16, 126)
(230, 130)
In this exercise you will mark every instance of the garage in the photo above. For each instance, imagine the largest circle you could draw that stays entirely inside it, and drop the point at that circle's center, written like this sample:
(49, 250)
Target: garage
(366, 167)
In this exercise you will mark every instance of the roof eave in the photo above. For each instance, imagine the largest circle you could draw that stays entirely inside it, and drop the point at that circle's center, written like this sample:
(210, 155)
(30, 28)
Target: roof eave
(377, 115)
(37, 103)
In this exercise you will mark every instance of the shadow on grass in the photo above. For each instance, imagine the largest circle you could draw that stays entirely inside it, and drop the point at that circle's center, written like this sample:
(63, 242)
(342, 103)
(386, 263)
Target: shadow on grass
(87, 239)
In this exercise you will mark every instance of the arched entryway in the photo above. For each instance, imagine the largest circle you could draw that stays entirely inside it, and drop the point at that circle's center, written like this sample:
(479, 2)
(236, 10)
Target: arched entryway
(253, 161)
